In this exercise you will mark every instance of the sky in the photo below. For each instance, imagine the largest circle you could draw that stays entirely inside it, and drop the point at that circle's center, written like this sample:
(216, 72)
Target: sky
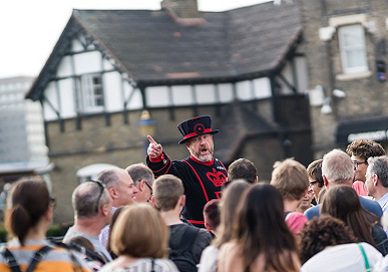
(29, 29)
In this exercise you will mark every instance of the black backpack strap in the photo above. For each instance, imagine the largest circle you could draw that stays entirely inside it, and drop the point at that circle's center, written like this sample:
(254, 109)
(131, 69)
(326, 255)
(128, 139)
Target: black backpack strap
(13, 264)
(10, 259)
(38, 256)
(152, 265)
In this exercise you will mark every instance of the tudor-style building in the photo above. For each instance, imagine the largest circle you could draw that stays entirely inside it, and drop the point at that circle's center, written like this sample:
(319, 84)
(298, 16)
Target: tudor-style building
(242, 67)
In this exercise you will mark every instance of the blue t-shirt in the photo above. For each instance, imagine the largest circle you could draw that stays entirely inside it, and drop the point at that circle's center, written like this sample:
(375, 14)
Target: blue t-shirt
(368, 204)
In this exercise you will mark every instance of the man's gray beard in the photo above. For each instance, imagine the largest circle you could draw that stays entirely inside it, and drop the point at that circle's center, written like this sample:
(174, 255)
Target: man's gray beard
(205, 158)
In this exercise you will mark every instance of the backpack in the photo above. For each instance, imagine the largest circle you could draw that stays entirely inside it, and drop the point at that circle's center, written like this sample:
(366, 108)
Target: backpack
(13, 264)
(182, 255)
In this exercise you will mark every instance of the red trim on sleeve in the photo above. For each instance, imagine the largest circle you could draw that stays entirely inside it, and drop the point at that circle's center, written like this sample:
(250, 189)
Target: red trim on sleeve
(157, 159)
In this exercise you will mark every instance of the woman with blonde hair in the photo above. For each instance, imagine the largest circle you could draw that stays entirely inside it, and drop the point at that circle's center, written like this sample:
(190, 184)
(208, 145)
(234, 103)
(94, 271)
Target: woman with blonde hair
(27, 218)
(140, 239)
(261, 239)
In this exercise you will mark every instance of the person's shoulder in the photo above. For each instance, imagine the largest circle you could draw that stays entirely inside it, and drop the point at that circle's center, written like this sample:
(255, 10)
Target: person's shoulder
(310, 213)
(166, 264)
(371, 206)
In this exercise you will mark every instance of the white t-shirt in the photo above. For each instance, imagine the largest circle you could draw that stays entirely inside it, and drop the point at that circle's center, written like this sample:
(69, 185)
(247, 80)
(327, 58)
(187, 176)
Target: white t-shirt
(342, 258)
(143, 265)
(209, 259)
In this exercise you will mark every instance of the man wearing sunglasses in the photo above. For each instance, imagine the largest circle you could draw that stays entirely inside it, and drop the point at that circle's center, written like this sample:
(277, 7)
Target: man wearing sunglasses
(92, 206)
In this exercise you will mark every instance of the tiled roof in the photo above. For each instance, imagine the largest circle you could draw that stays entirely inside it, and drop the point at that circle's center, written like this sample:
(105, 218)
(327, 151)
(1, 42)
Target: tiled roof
(153, 48)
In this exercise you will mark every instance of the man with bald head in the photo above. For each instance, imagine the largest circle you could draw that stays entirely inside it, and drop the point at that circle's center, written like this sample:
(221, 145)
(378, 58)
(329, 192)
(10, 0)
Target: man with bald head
(121, 189)
(92, 206)
(120, 186)
(338, 170)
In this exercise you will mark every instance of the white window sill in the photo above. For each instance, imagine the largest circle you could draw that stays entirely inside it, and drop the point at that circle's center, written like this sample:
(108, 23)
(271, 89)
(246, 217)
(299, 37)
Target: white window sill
(351, 76)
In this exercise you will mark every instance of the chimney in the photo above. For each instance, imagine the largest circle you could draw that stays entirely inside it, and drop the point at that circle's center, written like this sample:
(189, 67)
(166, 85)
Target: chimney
(181, 8)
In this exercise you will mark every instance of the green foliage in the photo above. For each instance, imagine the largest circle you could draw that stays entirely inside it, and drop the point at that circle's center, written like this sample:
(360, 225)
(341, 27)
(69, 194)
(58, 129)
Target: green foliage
(53, 231)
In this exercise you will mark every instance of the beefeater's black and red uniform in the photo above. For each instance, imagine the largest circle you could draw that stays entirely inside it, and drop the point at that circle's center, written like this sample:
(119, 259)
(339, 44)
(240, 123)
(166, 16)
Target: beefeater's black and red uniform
(202, 182)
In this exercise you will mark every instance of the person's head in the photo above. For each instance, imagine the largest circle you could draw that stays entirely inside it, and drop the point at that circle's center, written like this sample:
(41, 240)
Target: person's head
(211, 215)
(242, 169)
(337, 169)
(29, 208)
(305, 202)
(291, 179)
(143, 178)
(140, 232)
(322, 232)
(82, 242)
(377, 176)
(119, 185)
(260, 228)
(91, 200)
(360, 151)
(314, 170)
(197, 134)
(168, 193)
(342, 202)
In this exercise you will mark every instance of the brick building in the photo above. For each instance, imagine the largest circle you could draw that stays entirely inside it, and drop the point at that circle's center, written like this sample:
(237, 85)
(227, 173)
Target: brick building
(346, 52)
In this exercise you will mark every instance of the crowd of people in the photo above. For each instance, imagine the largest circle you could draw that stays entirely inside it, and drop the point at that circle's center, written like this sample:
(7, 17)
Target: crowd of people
(196, 214)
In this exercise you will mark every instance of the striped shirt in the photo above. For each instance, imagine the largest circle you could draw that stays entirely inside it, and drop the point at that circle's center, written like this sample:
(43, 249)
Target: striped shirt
(57, 259)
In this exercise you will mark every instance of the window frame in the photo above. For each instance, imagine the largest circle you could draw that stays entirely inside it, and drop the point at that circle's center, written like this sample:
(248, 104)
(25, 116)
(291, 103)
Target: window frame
(91, 93)
(354, 47)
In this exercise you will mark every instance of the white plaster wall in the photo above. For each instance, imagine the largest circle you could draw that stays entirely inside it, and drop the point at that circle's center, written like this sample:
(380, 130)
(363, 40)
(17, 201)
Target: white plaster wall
(89, 62)
(67, 99)
(157, 96)
(205, 94)
(114, 100)
(64, 68)
(225, 91)
(76, 46)
(287, 73)
(244, 91)
(302, 74)
(136, 101)
(51, 95)
(262, 87)
(182, 95)
(108, 65)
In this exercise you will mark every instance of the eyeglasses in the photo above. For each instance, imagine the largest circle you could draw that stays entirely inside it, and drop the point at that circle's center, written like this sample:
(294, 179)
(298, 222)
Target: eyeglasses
(146, 183)
(358, 163)
(102, 188)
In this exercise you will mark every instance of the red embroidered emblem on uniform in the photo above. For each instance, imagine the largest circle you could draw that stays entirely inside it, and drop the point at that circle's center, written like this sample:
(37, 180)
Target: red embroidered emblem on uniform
(216, 177)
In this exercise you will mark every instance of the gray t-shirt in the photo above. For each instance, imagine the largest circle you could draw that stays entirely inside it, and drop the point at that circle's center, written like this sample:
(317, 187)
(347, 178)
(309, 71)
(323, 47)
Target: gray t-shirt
(98, 247)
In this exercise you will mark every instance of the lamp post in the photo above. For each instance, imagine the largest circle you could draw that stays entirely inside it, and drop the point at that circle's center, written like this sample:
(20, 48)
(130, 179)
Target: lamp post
(147, 126)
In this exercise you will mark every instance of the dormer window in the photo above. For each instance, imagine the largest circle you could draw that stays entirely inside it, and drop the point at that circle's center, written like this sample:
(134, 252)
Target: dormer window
(92, 93)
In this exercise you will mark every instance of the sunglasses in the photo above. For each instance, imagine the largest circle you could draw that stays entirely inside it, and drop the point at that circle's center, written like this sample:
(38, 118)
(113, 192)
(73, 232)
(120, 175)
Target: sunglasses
(102, 188)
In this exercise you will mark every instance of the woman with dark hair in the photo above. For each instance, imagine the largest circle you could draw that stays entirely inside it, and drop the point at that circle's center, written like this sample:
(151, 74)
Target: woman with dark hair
(327, 244)
(28, 216)
(261, 239)
(342, 202)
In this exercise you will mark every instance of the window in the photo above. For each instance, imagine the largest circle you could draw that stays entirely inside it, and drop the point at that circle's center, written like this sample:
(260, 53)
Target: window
(92, 93)
(352, 49)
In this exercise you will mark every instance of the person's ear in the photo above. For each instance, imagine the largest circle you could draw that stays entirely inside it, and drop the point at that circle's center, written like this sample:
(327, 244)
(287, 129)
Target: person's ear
(375, 179)
(325, 181)
(113, 192)
(153, 202)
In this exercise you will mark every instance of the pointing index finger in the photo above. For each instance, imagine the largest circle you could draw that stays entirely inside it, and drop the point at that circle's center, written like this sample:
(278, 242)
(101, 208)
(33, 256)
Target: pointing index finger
(151, 140)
